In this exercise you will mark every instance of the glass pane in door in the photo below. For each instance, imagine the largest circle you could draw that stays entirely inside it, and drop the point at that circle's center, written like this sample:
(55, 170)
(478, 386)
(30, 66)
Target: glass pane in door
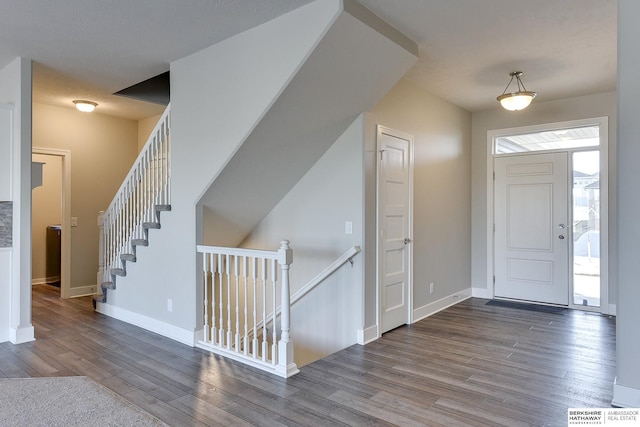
(586, 228)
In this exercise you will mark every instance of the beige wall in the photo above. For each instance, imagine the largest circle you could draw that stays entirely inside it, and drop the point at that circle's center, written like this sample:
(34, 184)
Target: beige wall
(145, 127)
(103, 149)
(442, 189)
(583, 107)
(46, 206)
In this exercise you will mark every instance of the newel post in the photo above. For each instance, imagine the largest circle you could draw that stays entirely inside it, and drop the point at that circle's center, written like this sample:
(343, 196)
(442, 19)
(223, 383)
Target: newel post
(286, 365)
(101, 251)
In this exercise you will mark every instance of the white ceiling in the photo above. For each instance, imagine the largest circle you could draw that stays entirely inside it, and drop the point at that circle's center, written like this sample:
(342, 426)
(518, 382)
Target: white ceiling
(89, 49)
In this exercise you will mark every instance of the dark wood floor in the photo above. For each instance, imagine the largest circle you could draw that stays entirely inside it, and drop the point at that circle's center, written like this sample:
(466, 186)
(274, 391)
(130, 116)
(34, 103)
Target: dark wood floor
(470, 365)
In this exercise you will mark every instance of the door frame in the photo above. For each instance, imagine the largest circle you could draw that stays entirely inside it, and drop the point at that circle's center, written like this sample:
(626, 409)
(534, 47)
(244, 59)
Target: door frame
(398, 134)
(603, 124)
(65, 235)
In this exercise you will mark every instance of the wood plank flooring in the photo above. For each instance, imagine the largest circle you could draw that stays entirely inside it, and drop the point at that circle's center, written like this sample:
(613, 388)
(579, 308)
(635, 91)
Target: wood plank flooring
(469, 365)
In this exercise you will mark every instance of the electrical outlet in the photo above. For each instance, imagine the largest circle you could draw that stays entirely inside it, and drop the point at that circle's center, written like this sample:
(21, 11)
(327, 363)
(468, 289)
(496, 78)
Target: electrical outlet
(431, 288)
(169, 305)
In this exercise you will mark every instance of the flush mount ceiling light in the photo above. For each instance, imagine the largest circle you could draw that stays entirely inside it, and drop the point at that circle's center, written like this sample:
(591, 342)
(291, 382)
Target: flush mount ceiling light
(85, 106)
(516, 100)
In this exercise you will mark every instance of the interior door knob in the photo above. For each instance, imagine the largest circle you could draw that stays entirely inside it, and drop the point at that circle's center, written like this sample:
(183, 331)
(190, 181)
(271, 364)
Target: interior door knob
(561, 237)
(407, 240)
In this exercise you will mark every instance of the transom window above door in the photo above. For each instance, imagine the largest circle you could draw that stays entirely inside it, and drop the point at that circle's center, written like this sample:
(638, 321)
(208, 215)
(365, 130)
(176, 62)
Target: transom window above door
(559, 139)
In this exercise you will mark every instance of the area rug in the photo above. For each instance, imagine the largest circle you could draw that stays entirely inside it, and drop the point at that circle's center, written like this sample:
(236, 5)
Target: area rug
(530, 307)
(66, 401)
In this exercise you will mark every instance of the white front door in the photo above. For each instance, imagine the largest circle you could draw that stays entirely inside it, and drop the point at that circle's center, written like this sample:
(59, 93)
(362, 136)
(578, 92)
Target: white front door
(532, 234)
(394, 227)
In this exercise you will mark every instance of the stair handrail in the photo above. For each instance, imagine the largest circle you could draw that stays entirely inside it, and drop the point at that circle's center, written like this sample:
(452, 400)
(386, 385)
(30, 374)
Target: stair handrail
(325, 273)
(319, 278)
(135, 208)
(162, 122)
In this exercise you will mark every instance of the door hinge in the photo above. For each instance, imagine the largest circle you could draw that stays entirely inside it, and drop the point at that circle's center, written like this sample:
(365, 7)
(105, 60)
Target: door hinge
(494, 176)
(494, 280)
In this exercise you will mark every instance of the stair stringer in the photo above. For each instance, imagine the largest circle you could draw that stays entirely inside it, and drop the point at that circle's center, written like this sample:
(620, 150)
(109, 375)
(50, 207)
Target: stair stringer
(130, 257)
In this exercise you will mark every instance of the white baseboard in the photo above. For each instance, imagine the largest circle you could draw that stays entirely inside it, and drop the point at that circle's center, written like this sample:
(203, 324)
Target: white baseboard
(439, 305)
(82, 291)
(481, 293)
(367, 335)
(624, 396)
(45, 280)
(612, 310)
(168, 330)
(21, 335)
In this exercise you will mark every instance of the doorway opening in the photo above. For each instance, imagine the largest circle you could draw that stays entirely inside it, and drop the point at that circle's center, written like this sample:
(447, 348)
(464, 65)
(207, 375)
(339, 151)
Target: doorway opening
(584, 143)
(58, 199)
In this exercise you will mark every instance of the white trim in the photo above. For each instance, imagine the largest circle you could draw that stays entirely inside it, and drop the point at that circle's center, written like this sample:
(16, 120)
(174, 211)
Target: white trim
(441, 304)
(21, 335)
(398, 134)
(624, 396)
(612, 310)
(168, 330)
(367, 335)
(65, 236)
(44, 280)
(481, 293)
(603, 123)
(82, 291)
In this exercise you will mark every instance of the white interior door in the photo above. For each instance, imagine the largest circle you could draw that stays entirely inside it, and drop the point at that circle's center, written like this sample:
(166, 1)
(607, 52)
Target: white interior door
(394, 223)
(532, 235)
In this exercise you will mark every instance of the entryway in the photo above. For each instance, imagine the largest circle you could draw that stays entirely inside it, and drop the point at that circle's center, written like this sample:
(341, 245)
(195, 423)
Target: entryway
(550, 214)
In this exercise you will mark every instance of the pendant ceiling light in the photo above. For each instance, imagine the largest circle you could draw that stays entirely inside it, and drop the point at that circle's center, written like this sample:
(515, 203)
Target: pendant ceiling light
(85, 106)
(519, 100)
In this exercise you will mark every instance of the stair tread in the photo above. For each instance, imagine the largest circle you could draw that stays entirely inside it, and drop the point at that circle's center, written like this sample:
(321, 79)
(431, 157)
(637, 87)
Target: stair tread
(118, 272)
(122, 272)
(128, 257)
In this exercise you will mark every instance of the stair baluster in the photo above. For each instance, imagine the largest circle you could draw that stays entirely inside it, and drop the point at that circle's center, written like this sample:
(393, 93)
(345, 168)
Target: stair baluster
(135, 209)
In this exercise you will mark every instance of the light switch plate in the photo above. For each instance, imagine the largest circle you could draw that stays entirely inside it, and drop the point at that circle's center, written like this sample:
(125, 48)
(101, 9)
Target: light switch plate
(348, 227)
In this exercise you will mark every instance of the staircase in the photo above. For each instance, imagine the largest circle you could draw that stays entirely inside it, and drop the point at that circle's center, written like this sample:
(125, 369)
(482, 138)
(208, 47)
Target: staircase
(136, 208)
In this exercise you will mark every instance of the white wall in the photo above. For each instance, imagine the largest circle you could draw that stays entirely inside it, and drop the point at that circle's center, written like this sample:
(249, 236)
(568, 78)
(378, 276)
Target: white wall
(218, 96)
(15, 281)
(583, 107)
(312, 217)
(442, 192)
(626, 391)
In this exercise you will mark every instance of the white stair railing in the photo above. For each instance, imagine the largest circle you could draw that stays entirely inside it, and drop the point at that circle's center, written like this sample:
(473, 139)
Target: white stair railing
(319, 278)
(241, 289)
(135, 208)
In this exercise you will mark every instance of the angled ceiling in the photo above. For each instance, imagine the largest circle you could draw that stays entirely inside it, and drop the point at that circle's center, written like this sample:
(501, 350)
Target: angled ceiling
(90, 49)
